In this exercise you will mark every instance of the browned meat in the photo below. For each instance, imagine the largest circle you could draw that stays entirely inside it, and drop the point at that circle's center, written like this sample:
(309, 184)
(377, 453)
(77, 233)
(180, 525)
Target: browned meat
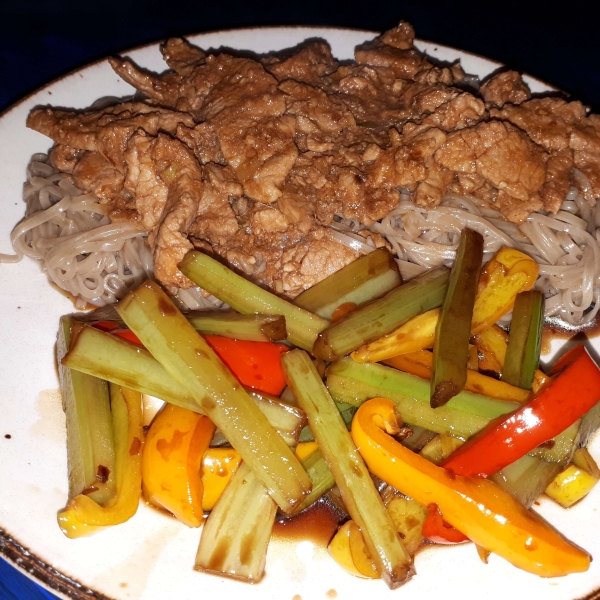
(503, 156)
(64, 158)
(254, 159)
(585, 142)
(309, 65)
(181, 56)
(547, 121)
(507, 87)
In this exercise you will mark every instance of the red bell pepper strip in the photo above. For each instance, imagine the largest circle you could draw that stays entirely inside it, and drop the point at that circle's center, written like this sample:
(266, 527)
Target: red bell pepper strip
(257, 365)
(574, 389)
(435, 529)
(122, 332)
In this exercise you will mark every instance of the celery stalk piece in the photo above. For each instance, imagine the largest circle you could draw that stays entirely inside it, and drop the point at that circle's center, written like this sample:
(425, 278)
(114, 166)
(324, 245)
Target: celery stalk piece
(254, 328)
(451, 347)
(363, 280)
(378, 318)
(524, 340)
(248, 298)
(321, 478)
(349, 470)
(236, 534)
(527, 478)
(90, 440)
(166, 333)
(560, 449)
(462, 416)
(108, 357)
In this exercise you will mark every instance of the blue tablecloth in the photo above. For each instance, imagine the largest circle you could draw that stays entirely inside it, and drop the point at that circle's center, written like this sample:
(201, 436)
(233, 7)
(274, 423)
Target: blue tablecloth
(15, 586)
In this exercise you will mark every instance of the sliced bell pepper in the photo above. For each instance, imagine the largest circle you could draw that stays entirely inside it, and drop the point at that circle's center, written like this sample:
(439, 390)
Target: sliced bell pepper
(507, 274)
(83, 516)
(175, 444)
(574, 389)
(436, 530)
(257, 365)
(480, 509)
(218, 467)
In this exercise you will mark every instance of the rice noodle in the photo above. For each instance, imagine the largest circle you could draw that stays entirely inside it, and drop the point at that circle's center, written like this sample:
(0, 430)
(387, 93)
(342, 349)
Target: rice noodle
(98, 262)
(82, 252)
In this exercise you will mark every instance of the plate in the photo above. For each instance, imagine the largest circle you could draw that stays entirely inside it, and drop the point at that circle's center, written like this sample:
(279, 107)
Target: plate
(152, 555)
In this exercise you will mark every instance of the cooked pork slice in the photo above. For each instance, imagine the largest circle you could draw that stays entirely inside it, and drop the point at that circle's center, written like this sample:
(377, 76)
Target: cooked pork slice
(585, 142)
(309, 65)
(166, 181)
(106, 130)
(505, 157)
(547, 121)
(181, 56)
(64, 158)
(203, 141)
(94, 174)
(558, 180)
(402, 36)
(506, 87)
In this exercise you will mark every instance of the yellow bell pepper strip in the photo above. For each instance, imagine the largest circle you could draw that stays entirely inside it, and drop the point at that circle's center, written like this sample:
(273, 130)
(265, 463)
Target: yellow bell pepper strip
(175, 444)
(573, 390)
(82, 515)
(507, 274)
(419, 364)
(348, 550)
(218, 467)
(479, 508)
(451, 346)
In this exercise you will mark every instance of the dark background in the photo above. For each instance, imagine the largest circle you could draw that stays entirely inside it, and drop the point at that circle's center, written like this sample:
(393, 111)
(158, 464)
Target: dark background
(42, 39)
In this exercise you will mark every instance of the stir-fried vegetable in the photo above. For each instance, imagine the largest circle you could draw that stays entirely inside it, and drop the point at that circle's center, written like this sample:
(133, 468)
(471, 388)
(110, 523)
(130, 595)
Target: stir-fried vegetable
(525, 340)
(82, 515)
(477, 507)
(574, 390)
(247, 298)
(451, 347)
(173, 341)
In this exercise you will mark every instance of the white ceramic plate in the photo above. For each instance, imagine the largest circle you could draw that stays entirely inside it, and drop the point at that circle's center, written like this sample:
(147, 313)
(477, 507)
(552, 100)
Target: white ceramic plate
(152, 555)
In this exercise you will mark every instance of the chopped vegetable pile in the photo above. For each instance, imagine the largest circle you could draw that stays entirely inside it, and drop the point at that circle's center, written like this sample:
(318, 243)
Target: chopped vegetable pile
(404, 402)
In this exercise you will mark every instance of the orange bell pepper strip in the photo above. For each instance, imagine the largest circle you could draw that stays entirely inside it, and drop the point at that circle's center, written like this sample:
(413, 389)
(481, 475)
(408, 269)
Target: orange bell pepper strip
(257, 365)
(484, 512)
(175, 444)
(83, 516)
(436, 530)
(574, 388)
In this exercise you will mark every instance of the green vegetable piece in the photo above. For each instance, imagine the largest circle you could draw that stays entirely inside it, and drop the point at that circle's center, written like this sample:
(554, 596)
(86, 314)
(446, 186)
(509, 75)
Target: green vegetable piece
(524, 340)
(451, 347)
(378, 318)
(248, 298)
(90, 439)
(462, 416)
(363, 280)
(254, 328)
(166, 333)
(320, 476)
(349, 470)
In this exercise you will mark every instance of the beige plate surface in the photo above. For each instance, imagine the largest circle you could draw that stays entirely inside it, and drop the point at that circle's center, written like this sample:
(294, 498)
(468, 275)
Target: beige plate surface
(151, 556)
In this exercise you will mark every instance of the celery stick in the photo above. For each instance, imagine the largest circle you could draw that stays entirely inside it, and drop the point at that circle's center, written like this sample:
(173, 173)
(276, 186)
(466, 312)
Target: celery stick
(451, 347)
(527, 478)
(462, 416)
(524, 340)
(90, 440)
(381, 316)
(166, 333)
(111, 358)
(254, 328)
(560, 449)
(248, 298)
(349, 470)
(363, 280)
(320, 476)
(236, 534)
